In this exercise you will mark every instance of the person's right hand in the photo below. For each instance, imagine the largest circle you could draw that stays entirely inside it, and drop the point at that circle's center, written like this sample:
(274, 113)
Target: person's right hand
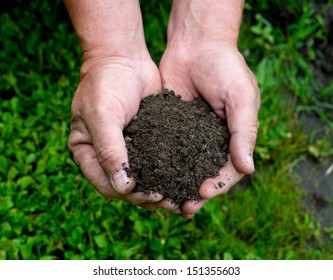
(107, 98)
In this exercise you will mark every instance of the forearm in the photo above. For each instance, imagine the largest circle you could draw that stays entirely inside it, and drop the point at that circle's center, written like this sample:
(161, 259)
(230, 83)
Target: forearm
(193, 20)
(108, 27)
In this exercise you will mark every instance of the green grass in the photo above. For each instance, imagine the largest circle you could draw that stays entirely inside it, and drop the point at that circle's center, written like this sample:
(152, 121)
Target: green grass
(49, 211)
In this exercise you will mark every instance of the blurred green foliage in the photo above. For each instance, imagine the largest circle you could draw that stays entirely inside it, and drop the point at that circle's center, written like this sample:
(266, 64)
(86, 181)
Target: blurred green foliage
(49, 211)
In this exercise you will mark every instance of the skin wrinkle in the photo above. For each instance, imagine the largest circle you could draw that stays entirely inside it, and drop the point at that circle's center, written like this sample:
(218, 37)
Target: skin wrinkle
(113, 46)
(100, 183)
(105, 154)
(77, 139)
(253, 131)
(95, 66)
(84, 153)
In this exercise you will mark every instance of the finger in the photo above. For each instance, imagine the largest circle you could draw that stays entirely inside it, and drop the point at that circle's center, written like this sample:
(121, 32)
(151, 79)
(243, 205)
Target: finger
(167, 204)
(241, 113)
(107, 137)
(84, 154)
(85, 157)
(221, 184)
(192, 206)
(140, 197)
(149, 206)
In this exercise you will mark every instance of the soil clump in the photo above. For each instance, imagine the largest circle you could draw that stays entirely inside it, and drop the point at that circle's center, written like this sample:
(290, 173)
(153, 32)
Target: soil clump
(174, 145)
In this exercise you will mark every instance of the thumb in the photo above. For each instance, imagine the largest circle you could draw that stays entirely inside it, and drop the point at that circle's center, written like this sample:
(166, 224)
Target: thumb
(111, 152)
(242, 120)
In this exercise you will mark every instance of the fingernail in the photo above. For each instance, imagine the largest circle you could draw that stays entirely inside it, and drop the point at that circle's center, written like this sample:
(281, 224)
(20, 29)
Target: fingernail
(119, 179)
(249, 159)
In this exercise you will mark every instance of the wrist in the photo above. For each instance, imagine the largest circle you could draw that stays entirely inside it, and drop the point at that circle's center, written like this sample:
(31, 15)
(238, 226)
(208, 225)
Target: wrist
(115, 48)
(196, 21)
(108, 28)
(105, 54)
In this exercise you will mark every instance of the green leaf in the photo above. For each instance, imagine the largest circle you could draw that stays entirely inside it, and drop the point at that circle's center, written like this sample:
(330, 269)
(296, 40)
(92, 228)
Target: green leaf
(47, 257)
(12, 173)
(25, 181)
(31, 158)
(101, 241)
(3, 165)
(174, 242)
(252, 256)
(5, 229)
(139, 227)
(227, 256)
(77, 233)
(3, 255)
(5, 204)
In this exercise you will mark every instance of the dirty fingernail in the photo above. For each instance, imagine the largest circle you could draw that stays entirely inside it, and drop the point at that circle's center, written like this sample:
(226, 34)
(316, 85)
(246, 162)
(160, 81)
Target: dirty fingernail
(119, 179)
(249, 159)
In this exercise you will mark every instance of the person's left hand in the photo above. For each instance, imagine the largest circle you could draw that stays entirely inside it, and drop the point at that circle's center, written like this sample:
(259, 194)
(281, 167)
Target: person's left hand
(217, 72)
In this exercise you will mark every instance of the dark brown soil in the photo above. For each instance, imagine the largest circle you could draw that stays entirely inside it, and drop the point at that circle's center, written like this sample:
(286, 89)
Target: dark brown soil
(173, 146)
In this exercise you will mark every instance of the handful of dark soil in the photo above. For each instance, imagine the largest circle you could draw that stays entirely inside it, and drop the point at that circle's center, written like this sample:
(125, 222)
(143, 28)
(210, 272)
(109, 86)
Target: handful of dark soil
(173, 146)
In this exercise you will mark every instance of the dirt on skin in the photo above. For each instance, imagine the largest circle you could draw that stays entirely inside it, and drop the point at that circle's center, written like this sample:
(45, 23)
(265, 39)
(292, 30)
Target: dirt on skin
(173, 146)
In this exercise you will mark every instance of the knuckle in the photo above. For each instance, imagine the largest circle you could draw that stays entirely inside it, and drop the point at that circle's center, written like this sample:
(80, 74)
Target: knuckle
(70, 143)
(253, 129)
(71, 152)
(253, 133)
(72, 148)
(104, 155)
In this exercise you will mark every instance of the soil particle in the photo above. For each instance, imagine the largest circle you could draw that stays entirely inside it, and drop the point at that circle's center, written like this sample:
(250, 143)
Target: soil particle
(173, 146)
